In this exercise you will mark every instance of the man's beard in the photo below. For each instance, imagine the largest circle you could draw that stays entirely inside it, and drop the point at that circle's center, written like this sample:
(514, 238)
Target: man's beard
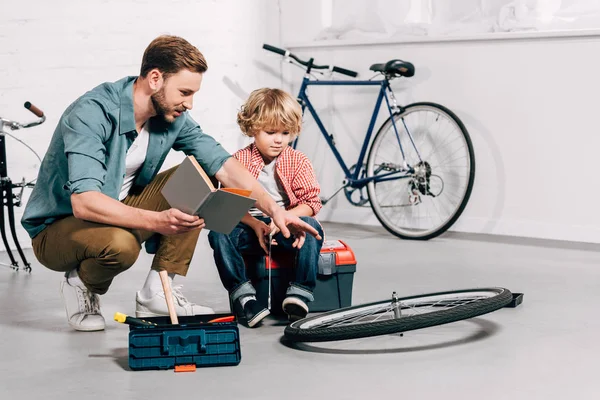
(162, 108)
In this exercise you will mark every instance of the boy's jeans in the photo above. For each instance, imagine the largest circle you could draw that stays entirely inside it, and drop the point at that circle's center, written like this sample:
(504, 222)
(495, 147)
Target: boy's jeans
(229, 249)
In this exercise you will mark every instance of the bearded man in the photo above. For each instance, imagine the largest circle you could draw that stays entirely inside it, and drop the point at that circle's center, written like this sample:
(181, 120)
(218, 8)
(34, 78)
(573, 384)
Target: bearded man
(97, 197)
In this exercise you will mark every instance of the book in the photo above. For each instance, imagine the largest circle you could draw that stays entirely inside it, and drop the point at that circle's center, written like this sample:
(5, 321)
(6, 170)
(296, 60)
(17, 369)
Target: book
(190, 190)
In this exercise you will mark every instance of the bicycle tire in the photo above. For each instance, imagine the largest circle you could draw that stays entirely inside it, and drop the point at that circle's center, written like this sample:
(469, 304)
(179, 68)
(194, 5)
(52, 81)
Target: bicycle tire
(317, 328)
(385, 220)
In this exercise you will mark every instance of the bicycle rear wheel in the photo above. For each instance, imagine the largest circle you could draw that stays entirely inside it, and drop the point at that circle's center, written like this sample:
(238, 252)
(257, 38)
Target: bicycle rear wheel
(437, 155)
(398, 315)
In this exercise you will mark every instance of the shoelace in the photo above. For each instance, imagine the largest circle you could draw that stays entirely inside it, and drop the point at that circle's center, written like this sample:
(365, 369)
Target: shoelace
(91, 302)
(176, 290)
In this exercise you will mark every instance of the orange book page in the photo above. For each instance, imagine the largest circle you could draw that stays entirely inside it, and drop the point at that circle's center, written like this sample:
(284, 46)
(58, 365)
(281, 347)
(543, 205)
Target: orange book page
(241, 192)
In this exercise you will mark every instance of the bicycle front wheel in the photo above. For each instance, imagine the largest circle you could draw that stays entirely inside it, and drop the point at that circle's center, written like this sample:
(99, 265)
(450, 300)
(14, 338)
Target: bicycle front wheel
(398, 315)
(426, 166)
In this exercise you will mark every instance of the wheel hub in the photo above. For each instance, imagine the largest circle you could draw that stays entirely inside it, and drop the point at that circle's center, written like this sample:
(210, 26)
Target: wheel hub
(420, 182)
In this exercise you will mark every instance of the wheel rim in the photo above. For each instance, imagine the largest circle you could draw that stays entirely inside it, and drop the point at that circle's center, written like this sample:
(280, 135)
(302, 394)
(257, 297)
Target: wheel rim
(386, 310)
(442, 144)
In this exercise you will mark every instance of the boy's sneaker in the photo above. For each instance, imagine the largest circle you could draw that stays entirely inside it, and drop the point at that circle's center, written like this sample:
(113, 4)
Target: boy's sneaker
(156, 306)
(82, 306)
(295, 308)
(251, 312)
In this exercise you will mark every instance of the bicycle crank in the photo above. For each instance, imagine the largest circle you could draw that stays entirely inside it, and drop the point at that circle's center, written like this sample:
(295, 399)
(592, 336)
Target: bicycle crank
(357, 196)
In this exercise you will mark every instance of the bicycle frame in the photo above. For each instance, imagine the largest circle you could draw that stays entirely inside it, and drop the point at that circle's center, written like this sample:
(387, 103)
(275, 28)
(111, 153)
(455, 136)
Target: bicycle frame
(10, 200)
(393, 203)
(352, 177)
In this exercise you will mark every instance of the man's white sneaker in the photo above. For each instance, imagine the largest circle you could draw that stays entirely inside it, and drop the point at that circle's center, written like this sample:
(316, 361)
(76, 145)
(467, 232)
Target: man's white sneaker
(157, 305)
(82, 306)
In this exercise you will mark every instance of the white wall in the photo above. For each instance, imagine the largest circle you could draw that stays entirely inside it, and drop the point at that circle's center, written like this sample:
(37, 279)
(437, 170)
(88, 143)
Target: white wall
(531, 107)
(530, 104)
(388, 19)
(51, 52)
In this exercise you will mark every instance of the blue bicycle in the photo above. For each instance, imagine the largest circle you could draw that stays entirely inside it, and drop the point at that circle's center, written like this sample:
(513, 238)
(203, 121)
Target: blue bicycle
(420, 165)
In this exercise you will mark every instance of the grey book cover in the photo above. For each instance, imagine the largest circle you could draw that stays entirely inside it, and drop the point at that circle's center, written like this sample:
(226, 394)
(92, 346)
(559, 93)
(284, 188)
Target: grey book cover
(190, 190)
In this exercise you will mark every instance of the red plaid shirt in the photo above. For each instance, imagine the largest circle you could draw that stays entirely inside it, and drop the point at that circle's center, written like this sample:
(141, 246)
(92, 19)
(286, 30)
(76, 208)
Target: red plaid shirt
(294, 171)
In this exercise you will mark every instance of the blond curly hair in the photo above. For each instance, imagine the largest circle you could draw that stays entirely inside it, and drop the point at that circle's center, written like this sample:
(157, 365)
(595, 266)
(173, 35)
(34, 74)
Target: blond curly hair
(270, 109)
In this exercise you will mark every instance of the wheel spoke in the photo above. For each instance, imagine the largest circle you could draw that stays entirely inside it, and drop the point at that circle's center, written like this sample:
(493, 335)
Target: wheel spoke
(417, 206)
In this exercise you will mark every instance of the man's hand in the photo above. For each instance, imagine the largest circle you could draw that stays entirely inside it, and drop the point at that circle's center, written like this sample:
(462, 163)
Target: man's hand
(234, 174)
(289, 224)
(173, 221)
(273, 228)
(100, 208)
(262, 233)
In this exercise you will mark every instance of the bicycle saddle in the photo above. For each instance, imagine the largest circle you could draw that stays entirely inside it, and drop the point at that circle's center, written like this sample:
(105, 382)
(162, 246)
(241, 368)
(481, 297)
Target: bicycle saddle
(395, 68)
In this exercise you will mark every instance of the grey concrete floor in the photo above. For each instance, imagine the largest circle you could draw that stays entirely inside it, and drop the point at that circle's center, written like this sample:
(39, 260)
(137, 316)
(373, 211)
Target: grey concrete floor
(544, 349)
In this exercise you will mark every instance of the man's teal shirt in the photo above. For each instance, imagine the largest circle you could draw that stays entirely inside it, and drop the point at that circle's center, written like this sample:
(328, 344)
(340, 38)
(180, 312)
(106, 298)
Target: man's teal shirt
(89, 147)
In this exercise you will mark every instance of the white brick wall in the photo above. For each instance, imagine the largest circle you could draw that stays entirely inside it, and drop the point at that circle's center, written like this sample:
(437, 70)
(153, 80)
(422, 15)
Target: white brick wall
(51, 52)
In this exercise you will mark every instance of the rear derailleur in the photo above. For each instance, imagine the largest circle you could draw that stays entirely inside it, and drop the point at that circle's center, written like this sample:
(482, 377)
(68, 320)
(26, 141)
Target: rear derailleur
(420, 183)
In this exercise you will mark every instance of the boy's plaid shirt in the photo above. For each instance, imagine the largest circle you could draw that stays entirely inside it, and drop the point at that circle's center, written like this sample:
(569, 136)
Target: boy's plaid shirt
(294, 171)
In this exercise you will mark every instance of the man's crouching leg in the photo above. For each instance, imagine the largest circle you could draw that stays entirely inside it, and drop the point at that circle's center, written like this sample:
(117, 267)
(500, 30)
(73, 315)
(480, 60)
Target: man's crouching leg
(90, 255)
(174, 255)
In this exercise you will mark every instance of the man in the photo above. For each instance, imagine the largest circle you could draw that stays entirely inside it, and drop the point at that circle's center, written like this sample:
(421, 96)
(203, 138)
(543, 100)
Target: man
(97, 197)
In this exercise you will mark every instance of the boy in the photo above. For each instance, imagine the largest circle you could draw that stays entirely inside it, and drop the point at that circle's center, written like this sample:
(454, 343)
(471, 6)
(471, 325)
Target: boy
(273, 118)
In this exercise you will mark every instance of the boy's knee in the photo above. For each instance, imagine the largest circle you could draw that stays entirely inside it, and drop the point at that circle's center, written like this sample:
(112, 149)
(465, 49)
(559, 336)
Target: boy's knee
(215, 238)
(313, 222)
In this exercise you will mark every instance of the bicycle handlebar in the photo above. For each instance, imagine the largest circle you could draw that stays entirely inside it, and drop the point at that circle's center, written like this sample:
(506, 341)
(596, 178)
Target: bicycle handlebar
(309, 64)
(18, 125)
(38, 113)
(275, 49)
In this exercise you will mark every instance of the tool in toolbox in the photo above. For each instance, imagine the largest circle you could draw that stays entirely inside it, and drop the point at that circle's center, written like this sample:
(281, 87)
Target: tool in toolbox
(166, 284)
(125, 319)
(268, 262)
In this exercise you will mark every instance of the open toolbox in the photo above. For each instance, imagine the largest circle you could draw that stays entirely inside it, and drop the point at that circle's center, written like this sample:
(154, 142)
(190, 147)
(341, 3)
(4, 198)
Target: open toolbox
(197, 341)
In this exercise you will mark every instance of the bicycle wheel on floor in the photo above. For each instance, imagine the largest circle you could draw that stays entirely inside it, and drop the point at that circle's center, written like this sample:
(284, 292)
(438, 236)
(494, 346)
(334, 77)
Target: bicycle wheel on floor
(437, 154)
(398, 315)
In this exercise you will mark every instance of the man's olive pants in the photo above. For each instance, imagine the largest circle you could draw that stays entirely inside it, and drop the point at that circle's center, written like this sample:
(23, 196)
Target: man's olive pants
(101, 252)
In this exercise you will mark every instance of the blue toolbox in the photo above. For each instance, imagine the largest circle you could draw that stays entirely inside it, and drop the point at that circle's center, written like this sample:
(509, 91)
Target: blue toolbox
(197, 341)
(335, 277)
